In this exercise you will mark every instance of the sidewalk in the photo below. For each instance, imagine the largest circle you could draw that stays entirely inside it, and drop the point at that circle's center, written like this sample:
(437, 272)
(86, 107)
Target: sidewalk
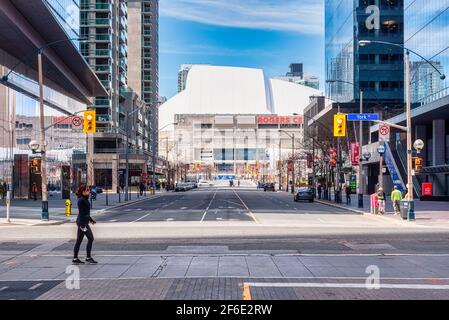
(28, 212)
(425, 211)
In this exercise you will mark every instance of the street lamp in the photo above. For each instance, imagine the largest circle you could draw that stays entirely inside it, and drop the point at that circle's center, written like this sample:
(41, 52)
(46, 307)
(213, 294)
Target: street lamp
(410, 202)
(5, 78)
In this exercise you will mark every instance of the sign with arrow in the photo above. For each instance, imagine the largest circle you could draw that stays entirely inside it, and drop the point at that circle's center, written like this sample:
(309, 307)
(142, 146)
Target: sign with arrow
(363, 117)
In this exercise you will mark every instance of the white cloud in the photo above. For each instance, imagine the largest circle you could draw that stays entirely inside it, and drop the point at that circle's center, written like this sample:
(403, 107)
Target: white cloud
(209, 50)
(302, 16)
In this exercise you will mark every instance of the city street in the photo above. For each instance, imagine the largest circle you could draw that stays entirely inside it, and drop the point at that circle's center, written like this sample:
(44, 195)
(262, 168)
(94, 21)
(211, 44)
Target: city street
(223, 243)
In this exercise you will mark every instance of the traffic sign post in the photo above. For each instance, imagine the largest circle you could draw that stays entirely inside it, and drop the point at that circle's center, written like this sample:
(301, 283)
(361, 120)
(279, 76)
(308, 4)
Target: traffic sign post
(384, 133)
(77, 121)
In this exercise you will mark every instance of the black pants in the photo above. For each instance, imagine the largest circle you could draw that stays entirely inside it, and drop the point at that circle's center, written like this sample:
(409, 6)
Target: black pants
(90, 239)
(348, 199)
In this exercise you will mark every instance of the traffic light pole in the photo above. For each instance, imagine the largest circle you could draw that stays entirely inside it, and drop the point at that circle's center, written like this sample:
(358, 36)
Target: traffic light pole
(360, 173)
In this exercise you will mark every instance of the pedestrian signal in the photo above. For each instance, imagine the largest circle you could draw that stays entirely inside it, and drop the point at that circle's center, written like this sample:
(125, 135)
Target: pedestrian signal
(418, 164)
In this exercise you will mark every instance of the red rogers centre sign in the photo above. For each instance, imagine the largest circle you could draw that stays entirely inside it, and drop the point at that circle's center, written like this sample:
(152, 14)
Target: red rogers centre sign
(280, 120)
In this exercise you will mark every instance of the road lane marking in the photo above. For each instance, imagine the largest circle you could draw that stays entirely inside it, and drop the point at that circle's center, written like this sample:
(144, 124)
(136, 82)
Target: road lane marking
(347, 285)
(253, 216)
(3, 288)
(210, 203)
(141, 218)
(36, 286)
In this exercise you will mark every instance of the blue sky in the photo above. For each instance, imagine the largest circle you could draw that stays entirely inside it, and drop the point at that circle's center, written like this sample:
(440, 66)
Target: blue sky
(266, 34)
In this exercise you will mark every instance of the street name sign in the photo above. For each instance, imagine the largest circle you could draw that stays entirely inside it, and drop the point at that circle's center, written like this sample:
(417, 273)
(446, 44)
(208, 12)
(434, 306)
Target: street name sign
(363, 117)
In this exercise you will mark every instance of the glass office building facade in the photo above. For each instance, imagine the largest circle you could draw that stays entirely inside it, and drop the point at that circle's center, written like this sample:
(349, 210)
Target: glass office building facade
(427, 33)
(378, 70)
(67, 12)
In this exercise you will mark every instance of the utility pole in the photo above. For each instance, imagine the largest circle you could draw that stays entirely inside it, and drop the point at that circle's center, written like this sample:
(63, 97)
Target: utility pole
(45, 215)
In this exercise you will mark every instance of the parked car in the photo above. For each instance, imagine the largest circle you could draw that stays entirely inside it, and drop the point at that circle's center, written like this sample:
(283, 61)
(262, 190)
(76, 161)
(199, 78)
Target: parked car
(304, 194)
(269, 187)
(260, 185)
(193, 183)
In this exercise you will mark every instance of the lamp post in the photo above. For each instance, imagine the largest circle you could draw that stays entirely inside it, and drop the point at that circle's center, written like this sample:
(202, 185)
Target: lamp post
(5, 78)
(410, 201)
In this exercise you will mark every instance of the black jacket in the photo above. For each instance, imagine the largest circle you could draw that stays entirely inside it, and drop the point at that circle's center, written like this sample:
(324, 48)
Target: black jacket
(83, 211)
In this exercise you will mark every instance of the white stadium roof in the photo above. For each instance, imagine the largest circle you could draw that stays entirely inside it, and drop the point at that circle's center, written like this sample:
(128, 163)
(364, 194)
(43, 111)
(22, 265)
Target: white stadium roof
(231, 90)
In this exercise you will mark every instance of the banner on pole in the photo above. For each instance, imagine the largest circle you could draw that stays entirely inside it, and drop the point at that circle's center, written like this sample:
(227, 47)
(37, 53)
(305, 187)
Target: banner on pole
(355, 156)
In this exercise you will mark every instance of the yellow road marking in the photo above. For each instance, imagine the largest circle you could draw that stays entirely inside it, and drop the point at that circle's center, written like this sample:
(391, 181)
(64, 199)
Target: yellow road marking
(246, 292)
(253, 216)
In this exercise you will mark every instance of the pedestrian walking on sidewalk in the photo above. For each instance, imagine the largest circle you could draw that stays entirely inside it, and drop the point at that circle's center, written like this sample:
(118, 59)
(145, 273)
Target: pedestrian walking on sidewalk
(83, 227)
(396, 198)
(381, 200)
(320, 190)
(141, 188)
(348, 195)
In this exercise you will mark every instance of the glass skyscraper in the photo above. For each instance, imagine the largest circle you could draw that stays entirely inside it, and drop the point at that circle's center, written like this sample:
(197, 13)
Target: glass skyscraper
(426, 32)
(67, 12)
(377, 70)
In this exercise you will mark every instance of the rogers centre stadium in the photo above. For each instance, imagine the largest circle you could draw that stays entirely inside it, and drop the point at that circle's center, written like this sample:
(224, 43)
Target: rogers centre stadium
(234, 123)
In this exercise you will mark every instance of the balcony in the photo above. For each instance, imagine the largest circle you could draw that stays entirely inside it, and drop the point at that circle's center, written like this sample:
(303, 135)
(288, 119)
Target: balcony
(102, 102)
(123, 36)
(123, 64)
(106, 83)
(122, 79)
(104, 118)
(124, 23)
(122, 50)
(147, 21)
(123, 8)
(96, 7)
(96, 23)
(102, 37)
(101, 53)
(102, 68)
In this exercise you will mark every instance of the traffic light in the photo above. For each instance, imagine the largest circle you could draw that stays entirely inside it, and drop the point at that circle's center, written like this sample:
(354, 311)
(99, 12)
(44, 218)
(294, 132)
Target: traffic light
(418, 164)
(340, 125)
(90, 121)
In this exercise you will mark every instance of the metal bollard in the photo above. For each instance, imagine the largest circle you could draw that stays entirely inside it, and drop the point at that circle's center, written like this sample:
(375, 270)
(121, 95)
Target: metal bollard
(68, 208)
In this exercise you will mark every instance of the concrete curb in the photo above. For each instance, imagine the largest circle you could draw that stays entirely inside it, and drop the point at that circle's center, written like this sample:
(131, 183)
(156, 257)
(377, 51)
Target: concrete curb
(330, 204)
(31, 223)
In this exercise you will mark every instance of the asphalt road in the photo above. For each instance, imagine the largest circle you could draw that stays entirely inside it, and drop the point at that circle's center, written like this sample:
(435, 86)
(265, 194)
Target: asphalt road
(214, 204)
(229, 243)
